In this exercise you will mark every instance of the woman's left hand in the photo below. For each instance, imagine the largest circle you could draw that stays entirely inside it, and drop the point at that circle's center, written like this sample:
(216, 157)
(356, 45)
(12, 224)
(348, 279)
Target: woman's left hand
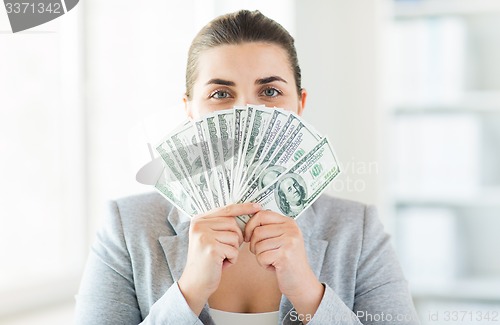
(278, 245)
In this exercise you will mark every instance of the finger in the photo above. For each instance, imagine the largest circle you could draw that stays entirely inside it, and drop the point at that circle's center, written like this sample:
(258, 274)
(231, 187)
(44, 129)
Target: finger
(262, 218)
(267, 245)
(229, 252)
(229, 224)
(267, 259)
(228, 238)
(265, 232)
(218, 224)
(232, 210)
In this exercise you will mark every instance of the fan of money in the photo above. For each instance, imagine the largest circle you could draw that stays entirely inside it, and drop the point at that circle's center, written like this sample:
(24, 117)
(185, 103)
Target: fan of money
(244, 154)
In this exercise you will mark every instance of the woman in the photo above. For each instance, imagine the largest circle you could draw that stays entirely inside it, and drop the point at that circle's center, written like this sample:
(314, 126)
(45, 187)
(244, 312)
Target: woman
(151, 264)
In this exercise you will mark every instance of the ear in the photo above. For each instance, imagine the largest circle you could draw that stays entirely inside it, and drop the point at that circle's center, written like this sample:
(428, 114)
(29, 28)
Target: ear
(187, 106)
(302, 102)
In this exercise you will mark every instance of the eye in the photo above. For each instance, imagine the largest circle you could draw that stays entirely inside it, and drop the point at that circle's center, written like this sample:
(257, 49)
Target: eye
(271, 92)
(220, 94)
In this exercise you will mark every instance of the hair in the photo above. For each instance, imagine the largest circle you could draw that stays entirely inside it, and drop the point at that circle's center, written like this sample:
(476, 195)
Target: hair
(283, 201)
(236, 28)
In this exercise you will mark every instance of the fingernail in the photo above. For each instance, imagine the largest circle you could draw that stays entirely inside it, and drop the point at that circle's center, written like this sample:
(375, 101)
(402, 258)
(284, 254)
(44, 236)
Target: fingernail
(257, 206)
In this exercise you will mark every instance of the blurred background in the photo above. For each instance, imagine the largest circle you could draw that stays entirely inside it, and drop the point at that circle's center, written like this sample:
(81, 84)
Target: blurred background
(408, 92)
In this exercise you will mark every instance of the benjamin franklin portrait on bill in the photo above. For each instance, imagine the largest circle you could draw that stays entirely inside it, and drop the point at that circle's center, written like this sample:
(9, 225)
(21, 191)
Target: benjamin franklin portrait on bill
(269, 175)
(291, 194)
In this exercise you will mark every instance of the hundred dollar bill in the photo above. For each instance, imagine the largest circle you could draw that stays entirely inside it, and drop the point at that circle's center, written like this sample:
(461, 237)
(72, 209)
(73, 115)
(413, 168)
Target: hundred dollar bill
(297, 188)
(213, 180)
(237, 155)
(275, 125)
(215, 146)
(287, 129)
(301, 141)
(174, 192)
(175, 172)
(257, 129)
(225, 124)
(312, 129)
(188, 153)
(240, 117)
(243, 139)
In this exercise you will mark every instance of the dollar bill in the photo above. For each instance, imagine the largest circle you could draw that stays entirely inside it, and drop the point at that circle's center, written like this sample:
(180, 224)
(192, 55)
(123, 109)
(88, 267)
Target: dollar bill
(225, 125)
(283, 135)
(188, 153)
(245, 154)
(279, 123)
(215, 146)
(297, 188)
(240, 117)
(207, 163)
(174, 176)
(243, 140)
(287, 129)
(256, 132)
(275, 125)
(299, 142)
(174, 192)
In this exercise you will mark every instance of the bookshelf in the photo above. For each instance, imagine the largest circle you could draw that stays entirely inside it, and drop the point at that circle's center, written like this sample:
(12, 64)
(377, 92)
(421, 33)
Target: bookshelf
(444, 117)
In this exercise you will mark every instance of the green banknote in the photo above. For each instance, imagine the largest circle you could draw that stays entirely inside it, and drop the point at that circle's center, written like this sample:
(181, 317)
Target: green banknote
(299, 186)
(245, 154)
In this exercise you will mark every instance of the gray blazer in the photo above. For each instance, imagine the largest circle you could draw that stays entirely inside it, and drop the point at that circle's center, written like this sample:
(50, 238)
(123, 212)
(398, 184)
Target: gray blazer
(141, 250)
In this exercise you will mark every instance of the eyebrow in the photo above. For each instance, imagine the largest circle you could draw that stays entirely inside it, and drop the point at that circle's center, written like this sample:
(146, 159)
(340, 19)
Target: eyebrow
(262, 81)
(222, 82)
(270, 79)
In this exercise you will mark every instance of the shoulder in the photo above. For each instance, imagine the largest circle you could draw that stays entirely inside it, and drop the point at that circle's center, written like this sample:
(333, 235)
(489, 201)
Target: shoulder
(146, 205)
(341, 217)
(338, 206)
(147, 214)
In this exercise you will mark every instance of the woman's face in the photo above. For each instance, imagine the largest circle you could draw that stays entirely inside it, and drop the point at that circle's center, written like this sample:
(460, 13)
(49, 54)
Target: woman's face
(248, 73)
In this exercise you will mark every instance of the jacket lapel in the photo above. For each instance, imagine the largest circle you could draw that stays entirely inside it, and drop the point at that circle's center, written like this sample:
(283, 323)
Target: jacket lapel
(315, 249)
(175, 247)
(314, 245)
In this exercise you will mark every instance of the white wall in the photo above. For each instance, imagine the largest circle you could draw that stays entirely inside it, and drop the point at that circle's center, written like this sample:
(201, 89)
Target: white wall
(133, 73)
(339, 51)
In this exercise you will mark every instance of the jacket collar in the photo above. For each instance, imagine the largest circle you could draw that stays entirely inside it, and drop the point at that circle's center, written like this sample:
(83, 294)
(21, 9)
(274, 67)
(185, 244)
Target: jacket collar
(175, 248)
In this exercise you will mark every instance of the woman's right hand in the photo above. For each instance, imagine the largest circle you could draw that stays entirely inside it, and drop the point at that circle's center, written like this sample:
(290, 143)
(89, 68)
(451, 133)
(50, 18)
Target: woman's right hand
(214, 241)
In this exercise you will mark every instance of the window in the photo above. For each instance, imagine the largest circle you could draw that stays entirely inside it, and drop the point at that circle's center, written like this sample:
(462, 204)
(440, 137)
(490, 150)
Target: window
(42, 164)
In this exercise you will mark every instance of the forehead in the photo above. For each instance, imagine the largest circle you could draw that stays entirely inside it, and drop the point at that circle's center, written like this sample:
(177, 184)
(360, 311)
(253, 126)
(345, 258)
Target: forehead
(287, 182)
(246, 60)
